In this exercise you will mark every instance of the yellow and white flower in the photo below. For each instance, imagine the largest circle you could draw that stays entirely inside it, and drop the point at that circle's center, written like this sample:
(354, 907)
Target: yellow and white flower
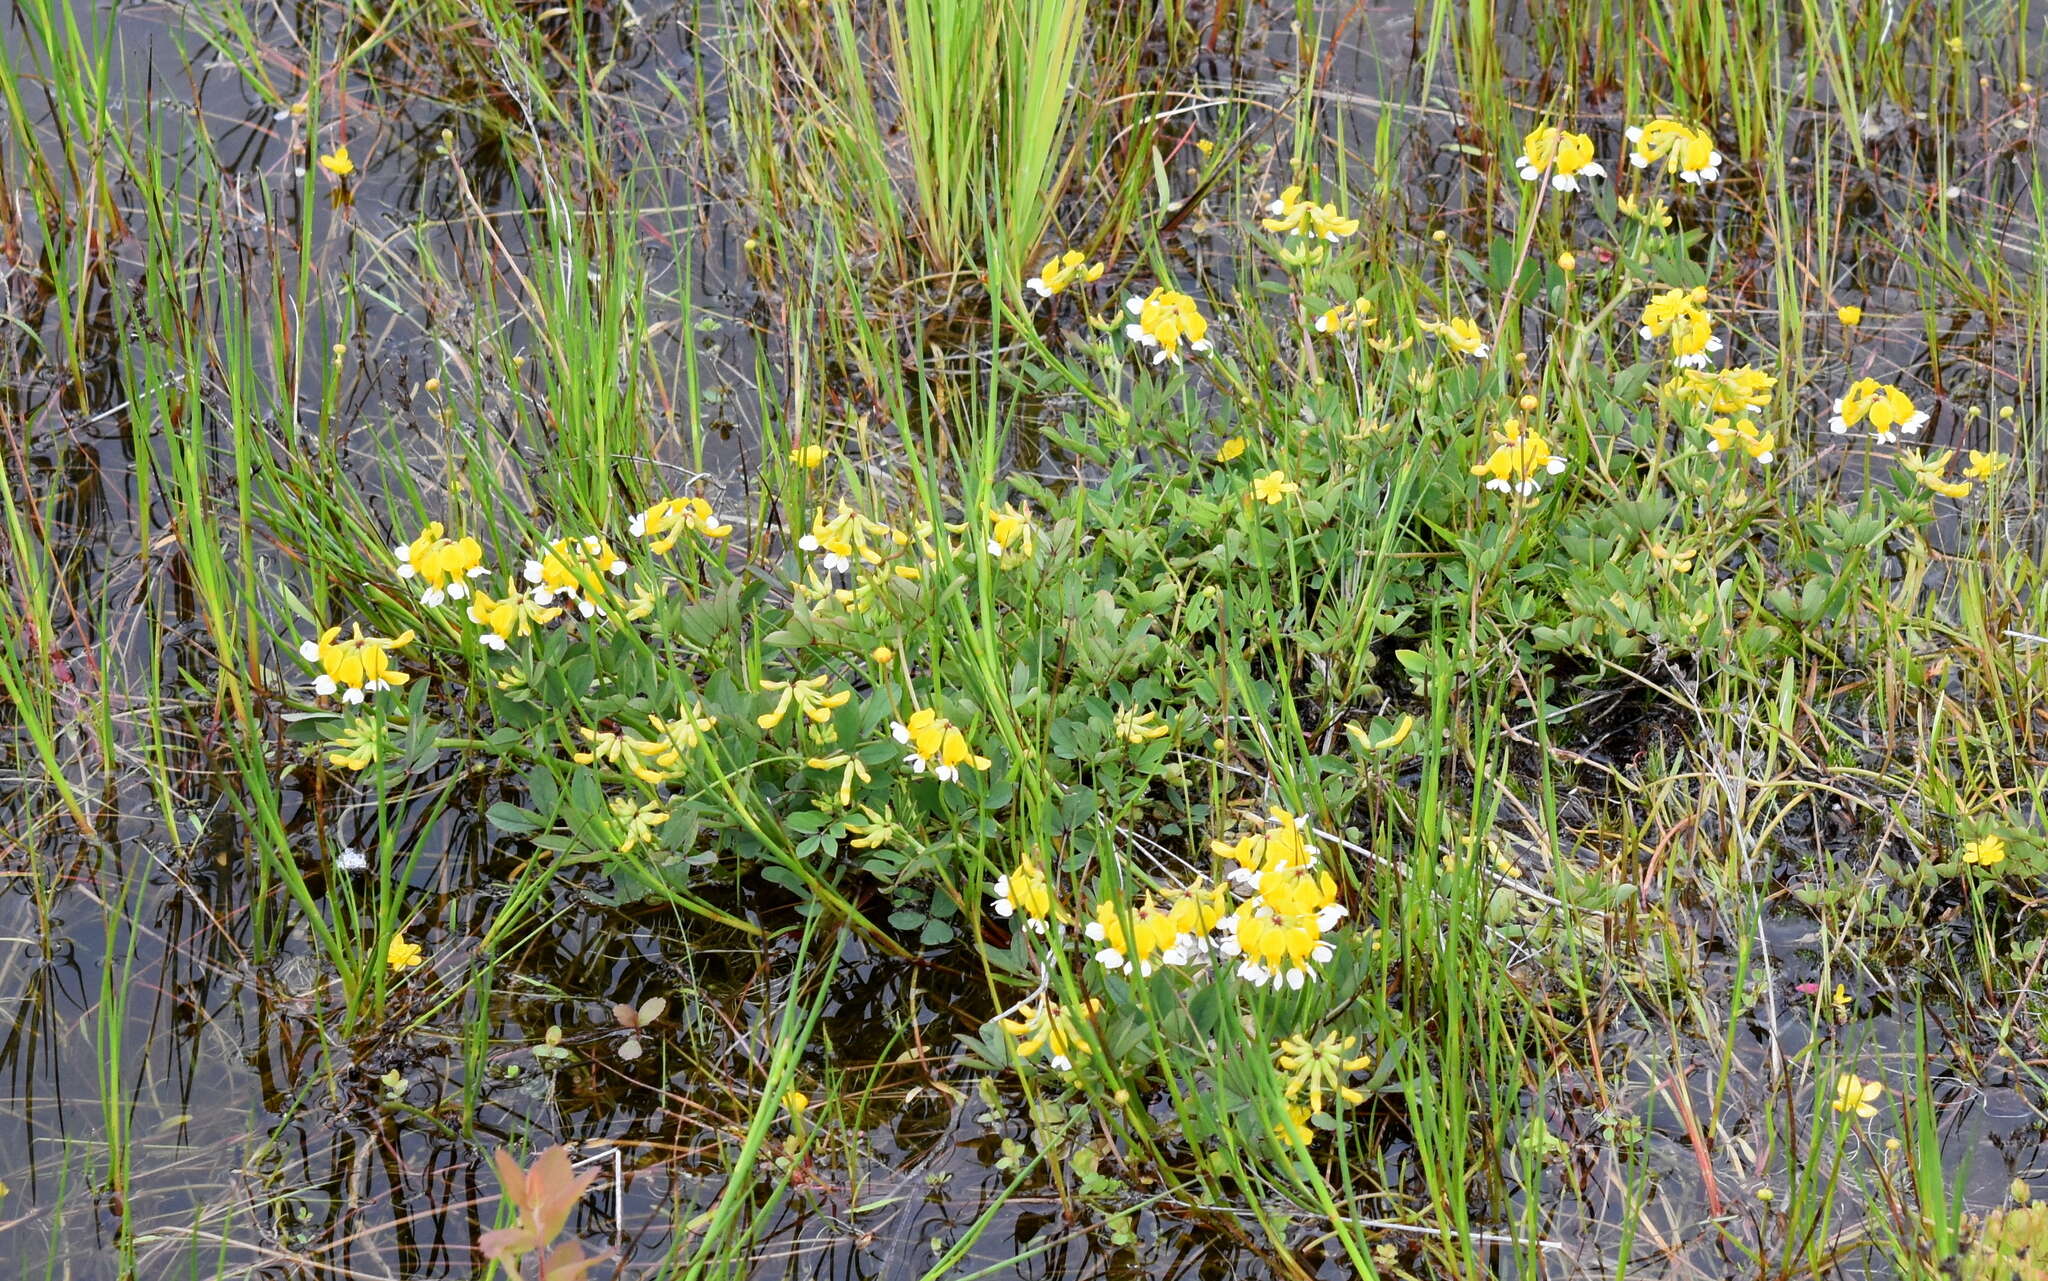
(1061, 272)
(1883, 407)
(1565, 155)
(1294, 216)
(935, 744)
(1518, 458)
(1683, 149)
(508, 619)
(1025, 889)
(1459, 334)
(1046, 1026)
(441, 564)
(1676, 315)
(1740, 433)
(1741, 389)
(575, 568)
(1932, 473)
(1169, 323)
(1276, 949)
(1152, 933)
(355, 667)
(1346, 317)
(667, 520)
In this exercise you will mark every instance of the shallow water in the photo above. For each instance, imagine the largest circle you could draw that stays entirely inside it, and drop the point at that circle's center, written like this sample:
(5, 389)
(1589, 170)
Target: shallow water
(262, 1146)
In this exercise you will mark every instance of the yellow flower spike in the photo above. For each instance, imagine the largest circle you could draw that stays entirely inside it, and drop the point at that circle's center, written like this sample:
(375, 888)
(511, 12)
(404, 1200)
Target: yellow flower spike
(1273, 488)
(1315, 1067)
(667, 521)
(1061, 272)
(1987, 850)
(1740, 389)
(402, 955)
(807, 696)
(1566, 156)
(850, 767)
(1168, 323)
(1932, 473)
(443, 565)
(1024, 890)
(1292, 215)
(1046, 1026)
(355, 667)
(1459, 334)
(1682, 149)
(1138, 727)
(337, 164)
(633, 822)
(1854, 1094)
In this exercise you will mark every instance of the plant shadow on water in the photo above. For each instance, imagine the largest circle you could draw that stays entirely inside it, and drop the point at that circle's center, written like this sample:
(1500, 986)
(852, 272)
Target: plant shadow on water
(185, 1090)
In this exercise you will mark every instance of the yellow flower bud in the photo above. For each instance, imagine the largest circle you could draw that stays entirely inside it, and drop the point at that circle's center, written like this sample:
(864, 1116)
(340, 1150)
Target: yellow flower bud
(1567, 261)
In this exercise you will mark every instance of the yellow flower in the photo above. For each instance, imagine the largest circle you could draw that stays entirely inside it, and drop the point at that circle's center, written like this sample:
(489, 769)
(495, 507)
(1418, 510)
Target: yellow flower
(1984, 466)
(337, 164)
(1231, 449)
(666, 520)
(1567, 261)
(1012, 538)
(1392, 739)
(443, 564)
(1293, 1127)
(401, 955)
(1884, 407)
(1683, 149)
(1345, 317)
(878, 829)
(683, 734)
(935, 744)
(1656, 215)
(1459, 334)
(1932, 473)
(882, 655)
(1294, 216)
(1740, 389)
(807, 696)
(1025, 889)
(808, 457)
(508, 619)
(1136, 727)
(1854, 1094)
(358, 745)
(354, 667)
(1741, 433)
(575, 568)
(633, 822)
(845, 537)
(1850, 316)
(1987, 850)
(1677, 316)
(1045, 1026)
(1152, 934)
(795, 1102)
(1273, 488)
(1568, 157)
(1297, 889)
(1313, 1067)
(1519, 457)
(647, 761)
(1198, 909)
(850, 768)
(1061, 272)
(1167, 322)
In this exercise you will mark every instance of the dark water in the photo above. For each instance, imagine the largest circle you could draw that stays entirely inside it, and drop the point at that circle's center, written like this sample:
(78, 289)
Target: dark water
(265, 1144)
